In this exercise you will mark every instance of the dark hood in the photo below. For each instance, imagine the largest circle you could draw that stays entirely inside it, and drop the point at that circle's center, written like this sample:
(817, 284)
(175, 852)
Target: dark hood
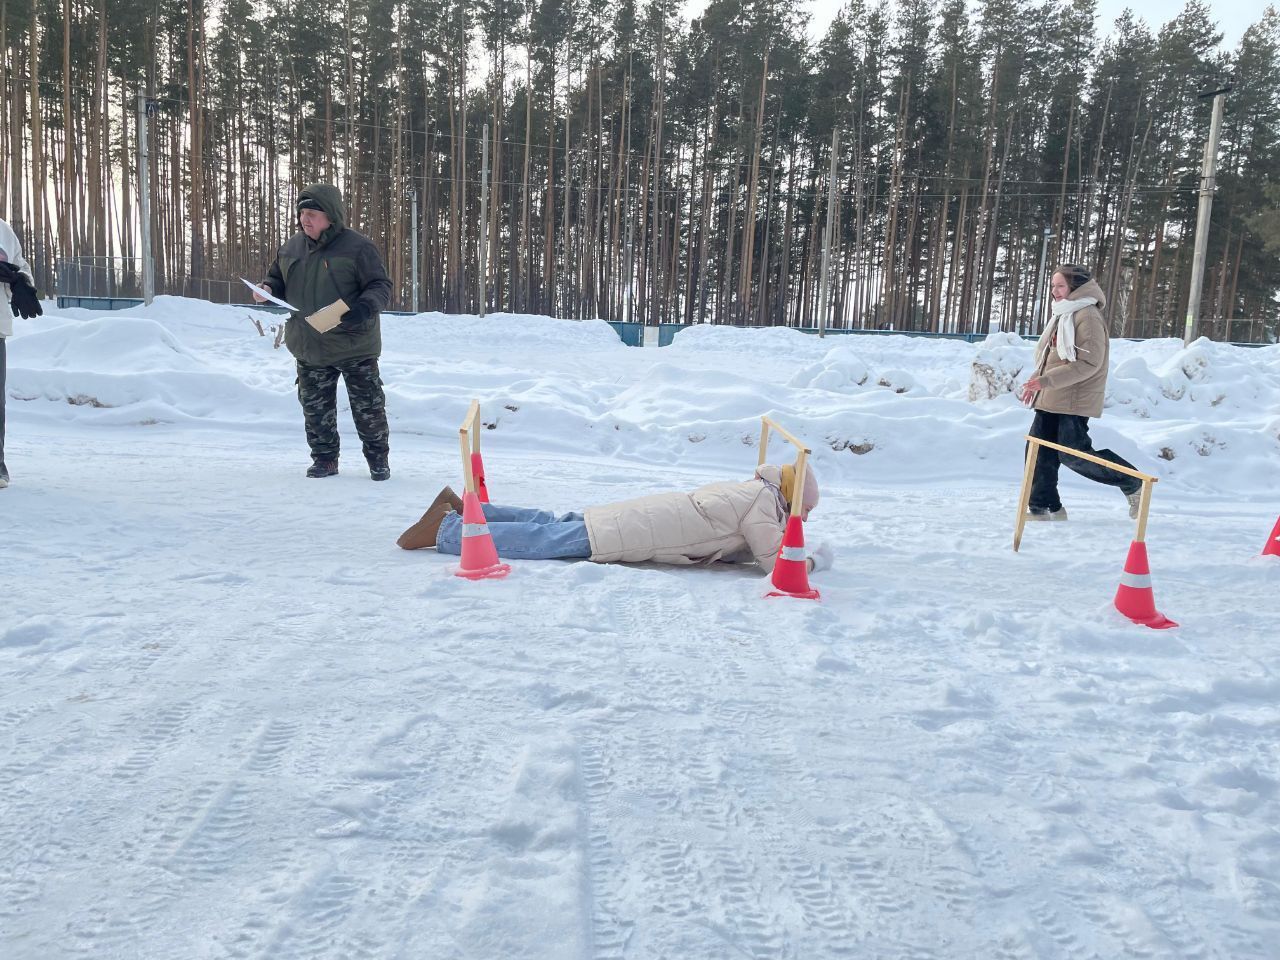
(330, 201)
(1089, 288)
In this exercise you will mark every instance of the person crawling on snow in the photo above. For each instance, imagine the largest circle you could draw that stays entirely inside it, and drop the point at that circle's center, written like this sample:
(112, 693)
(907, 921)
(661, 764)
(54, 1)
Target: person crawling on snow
(727, 522)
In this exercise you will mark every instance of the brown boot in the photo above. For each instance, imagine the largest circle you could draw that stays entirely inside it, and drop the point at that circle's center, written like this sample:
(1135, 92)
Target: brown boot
(423, 533)
(447, 495)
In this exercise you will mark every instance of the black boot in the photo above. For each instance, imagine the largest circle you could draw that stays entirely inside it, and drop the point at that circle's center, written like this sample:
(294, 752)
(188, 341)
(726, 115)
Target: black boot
(379, 469)
(323, 468)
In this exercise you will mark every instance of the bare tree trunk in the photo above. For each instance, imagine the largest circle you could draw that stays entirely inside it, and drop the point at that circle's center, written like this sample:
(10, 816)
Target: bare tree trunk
(8, 84)
(1059, 213)
(727, 308)
(988, 282)
(547, 300)
(957, 249)
(704, 224)
(749, 218)
(1230, 308)
(894, 200)
(762, 306)
(567, 300)
(195, 82)
(526, 240)
(99, 138)
(1122, 228)
(982, 225)
(788, 239)
(940, 232)
(66, 209)
(690, 274)
(39, 260)
(17, 118)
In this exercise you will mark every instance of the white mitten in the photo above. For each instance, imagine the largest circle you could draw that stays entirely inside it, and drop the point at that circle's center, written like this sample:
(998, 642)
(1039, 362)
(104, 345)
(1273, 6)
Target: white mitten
(822, 556)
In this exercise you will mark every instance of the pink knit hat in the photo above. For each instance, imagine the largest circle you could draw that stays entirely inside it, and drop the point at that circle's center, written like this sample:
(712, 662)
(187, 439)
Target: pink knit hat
(809, 499)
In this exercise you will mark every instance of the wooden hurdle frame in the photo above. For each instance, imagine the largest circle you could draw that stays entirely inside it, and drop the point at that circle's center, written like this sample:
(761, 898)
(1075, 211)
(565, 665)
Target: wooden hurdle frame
(1144, 505)
(801, 459)
(469, 431)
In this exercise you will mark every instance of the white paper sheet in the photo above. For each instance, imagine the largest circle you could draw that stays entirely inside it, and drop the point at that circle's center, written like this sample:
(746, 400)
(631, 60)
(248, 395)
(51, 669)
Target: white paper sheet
(263, 292)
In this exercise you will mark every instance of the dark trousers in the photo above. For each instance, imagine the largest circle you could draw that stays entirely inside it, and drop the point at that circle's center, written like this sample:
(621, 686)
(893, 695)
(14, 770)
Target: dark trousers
(1070, 431)
(4, 364)
(318, 394)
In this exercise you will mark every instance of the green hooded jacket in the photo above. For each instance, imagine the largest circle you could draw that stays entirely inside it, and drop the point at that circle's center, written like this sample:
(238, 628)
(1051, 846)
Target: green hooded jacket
(312, 274)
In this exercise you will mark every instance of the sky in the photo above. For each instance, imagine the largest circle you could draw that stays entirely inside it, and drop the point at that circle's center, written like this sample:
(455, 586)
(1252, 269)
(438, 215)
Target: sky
(1232, 17)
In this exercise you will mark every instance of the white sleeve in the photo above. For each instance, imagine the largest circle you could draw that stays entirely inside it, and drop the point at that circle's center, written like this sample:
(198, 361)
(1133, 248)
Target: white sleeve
(13, 251)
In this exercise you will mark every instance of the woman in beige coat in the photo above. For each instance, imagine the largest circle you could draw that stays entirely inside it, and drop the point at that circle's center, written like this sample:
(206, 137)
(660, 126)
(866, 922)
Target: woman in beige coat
(733, 522)
(17, 293)
(1067, 389)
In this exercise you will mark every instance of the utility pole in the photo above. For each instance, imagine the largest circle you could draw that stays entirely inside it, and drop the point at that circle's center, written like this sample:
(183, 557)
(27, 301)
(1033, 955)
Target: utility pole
(484, 221)
(413, 248)
(824, 286)
(144, 197)
(1208, 171)
(1036, 306)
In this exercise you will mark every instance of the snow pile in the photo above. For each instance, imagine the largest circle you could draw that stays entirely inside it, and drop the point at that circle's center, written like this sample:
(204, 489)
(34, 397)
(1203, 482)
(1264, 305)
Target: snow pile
(840, 371)
(1000, 363)
(1202, 375)
(557, 385)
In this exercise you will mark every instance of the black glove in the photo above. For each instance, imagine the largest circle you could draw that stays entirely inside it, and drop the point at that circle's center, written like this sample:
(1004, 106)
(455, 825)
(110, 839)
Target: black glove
(23, 298)
(9, 273)
(355, 320)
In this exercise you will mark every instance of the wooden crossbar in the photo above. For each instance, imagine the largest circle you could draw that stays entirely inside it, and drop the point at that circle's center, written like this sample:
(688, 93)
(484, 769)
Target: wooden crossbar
(802, 456)
(1028, 472)
(1089, 456)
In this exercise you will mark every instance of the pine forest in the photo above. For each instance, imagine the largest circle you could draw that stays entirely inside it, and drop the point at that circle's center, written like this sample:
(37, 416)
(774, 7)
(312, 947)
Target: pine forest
(659, 162)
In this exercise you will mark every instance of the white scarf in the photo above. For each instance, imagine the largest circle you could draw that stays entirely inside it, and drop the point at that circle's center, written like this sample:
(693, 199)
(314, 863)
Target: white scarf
(1064, 312)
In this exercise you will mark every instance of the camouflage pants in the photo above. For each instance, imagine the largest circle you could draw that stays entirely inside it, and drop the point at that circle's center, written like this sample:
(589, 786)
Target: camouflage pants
(318, 394)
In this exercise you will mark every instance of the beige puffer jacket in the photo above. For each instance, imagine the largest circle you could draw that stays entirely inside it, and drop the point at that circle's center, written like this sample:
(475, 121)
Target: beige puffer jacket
(734, 522)
(13, 253)
(1076, 386)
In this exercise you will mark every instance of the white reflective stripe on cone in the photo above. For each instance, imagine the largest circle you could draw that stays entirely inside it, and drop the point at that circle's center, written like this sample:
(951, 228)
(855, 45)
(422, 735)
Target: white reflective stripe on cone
(1139, 581)
(793, 553)
(475, 529)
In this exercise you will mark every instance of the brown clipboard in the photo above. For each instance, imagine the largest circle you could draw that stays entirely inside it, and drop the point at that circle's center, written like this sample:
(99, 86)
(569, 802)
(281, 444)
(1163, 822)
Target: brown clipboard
(326, 318)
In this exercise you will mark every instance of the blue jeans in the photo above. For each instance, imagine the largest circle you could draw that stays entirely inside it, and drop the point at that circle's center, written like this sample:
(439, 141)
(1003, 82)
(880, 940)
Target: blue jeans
(520, 533)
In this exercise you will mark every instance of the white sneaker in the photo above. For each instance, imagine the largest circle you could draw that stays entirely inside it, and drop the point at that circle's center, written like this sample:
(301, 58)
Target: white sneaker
(1135, 503)
(1044, 513)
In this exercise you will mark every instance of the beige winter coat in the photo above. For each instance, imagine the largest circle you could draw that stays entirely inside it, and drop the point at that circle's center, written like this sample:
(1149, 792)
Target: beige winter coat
(734, 522)
(1077, 386)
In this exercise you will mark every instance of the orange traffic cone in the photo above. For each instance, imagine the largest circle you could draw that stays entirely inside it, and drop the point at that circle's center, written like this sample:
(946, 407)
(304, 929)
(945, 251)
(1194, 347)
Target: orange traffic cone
(1272, 549)
(477, 471)
(791, 569)
(479, 555)
(1134, 598)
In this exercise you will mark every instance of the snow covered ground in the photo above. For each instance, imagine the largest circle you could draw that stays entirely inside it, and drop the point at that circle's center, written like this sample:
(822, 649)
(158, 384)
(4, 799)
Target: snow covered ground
(237, 721)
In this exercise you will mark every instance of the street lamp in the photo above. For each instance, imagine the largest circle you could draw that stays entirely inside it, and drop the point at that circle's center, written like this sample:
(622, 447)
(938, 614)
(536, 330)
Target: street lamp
(1044, 249)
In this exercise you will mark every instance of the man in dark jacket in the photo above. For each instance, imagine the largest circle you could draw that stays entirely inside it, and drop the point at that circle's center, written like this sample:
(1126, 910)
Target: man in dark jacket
(325, 262)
